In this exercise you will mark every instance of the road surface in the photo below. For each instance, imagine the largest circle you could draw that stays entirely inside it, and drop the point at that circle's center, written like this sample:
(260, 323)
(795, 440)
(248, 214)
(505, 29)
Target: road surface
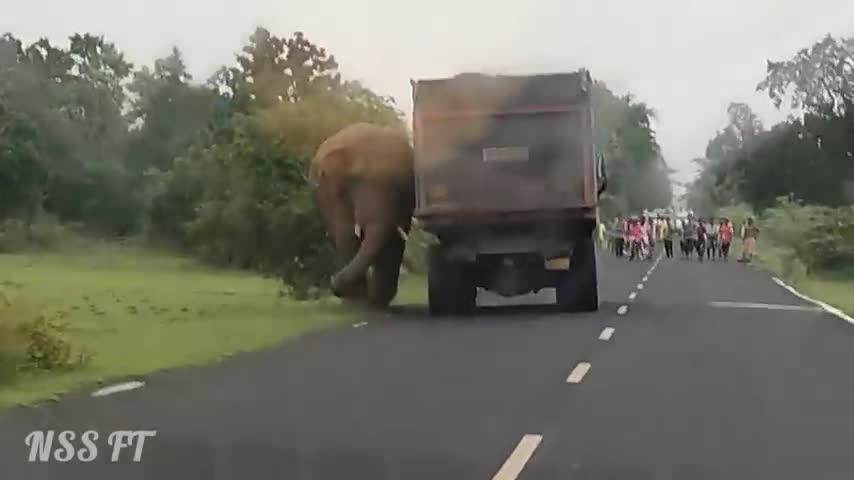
(689, 371)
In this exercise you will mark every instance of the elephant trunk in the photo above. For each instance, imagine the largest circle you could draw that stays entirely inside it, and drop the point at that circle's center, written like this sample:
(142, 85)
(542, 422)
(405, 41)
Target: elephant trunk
(374, 238)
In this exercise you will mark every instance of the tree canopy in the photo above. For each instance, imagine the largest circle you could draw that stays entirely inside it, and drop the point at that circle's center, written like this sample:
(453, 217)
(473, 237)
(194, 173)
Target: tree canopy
(217, 167)
(808, 158)
(638, 176)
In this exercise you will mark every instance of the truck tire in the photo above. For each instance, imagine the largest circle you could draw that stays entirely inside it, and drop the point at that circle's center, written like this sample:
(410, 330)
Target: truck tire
(578, 289)
(450, 289)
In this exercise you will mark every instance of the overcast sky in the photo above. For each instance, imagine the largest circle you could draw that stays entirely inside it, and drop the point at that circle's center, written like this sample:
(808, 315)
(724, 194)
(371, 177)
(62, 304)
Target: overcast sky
(686, 58)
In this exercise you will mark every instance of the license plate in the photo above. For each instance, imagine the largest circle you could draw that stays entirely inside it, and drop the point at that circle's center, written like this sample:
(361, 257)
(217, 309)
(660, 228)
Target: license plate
(560, 263)
(505, 154)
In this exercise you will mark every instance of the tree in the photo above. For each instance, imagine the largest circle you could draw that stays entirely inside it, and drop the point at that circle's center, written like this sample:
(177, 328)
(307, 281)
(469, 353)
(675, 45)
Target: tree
(808, 158)
(638, 177)
(238, 195)
(168, 113)
(819, 79)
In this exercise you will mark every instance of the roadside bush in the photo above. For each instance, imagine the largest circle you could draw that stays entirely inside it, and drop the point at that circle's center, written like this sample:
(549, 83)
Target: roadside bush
(415, 257)
(45, 232)
(13, 342)
(820, 237)
(47, 346)
(32, 341)
(810, 237)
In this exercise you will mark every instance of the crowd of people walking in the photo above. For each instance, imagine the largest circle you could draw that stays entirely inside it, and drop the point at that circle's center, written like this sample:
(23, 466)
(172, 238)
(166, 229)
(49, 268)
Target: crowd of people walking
(637, 237)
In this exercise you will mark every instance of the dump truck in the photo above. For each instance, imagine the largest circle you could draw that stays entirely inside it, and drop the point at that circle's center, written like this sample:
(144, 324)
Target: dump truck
(507, 181)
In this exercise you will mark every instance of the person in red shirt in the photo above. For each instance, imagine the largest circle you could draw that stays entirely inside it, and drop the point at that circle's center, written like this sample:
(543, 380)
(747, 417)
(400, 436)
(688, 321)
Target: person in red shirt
(725, 234)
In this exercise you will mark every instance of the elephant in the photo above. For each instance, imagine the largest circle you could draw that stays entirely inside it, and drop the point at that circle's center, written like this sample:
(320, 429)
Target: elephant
(364, 186)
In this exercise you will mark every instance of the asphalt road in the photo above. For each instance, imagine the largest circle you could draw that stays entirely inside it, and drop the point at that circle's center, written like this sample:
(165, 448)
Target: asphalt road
(680, 388)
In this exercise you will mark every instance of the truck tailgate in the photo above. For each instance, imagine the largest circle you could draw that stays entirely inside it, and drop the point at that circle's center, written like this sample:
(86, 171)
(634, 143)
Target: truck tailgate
(510, 154)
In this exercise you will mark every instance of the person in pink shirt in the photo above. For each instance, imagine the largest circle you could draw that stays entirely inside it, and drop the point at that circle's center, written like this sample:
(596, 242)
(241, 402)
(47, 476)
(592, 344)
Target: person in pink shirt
(637, 235)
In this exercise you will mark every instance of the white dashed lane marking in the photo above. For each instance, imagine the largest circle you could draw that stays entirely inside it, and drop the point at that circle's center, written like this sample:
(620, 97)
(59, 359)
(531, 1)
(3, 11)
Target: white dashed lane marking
(521, 454)
(622, 310)
(606, 334)
(633, 295)
(360, 324)
(121, 387)
(640, 286)
(578, 373)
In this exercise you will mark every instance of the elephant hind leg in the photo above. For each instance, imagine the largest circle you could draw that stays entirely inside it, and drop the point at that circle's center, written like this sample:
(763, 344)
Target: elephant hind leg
(383, 283)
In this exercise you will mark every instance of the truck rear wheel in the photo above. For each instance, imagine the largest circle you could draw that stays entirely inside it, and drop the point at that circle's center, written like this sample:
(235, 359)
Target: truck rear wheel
(578, 289)
(450, 288)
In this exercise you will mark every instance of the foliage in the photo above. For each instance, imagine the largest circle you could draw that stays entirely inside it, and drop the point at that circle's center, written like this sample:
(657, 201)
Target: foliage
(810, 158)
(638, 177)
(820, 237)
(417, 244)
(810, 238)
(136, 310)
(818, 79)
(47, 346)
(31, 341)
(44, 232)
(217, 169)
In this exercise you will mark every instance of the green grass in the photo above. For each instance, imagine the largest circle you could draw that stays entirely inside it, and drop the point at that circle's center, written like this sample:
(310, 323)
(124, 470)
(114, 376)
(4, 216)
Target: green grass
(832, 287)
(138, 310)
(412, 290)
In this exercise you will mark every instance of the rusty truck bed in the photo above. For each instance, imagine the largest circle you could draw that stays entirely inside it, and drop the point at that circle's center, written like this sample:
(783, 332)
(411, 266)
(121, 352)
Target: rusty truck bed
(503, 146)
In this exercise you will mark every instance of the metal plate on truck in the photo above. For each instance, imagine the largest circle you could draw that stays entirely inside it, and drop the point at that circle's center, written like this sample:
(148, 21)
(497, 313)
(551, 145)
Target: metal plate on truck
(505, 154)
(559, 263)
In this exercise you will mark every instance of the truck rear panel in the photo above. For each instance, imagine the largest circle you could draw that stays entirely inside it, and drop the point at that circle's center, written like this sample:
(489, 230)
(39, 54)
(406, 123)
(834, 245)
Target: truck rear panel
(503, 145)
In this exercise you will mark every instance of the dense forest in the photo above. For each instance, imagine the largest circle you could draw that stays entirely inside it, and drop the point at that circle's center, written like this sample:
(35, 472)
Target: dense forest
(92, 143)
(797, 175)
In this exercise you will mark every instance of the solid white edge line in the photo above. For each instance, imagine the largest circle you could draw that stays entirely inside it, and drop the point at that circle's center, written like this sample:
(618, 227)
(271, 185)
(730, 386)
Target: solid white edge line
(622, 310)
(824, 306)
(519, 457)
(633, 295)
(360, 324)
(764, 306)
(578, 373)
(121, 387)
(606, 334)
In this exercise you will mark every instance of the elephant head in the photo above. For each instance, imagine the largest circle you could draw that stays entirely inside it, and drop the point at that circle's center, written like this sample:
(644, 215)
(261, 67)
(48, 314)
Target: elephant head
(364, 188)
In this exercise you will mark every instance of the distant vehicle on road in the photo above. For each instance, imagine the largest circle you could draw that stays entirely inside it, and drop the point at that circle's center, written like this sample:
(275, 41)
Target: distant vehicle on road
(508, 181)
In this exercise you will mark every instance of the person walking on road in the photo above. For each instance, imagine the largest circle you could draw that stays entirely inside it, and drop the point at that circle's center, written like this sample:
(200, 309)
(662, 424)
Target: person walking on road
(748, 237)
(689, 237)
(711, 239)
(619, 236)
(650, 237)
(725, 234)
(701, 239)
(636, 236)
(667, 233)
(601, 234)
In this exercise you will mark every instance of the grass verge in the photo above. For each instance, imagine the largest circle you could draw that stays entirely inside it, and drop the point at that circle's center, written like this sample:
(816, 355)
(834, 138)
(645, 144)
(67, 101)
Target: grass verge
(832, 287)
(136, 311)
